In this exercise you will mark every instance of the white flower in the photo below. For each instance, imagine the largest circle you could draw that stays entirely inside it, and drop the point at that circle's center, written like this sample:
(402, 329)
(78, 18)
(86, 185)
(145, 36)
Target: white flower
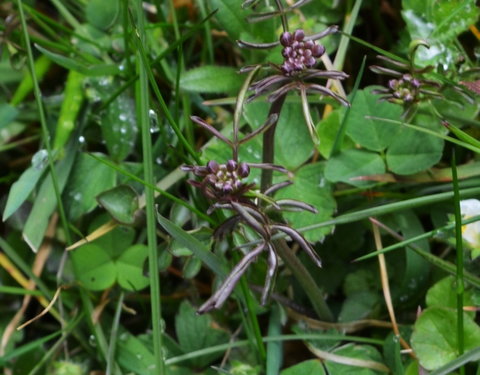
(471, 232)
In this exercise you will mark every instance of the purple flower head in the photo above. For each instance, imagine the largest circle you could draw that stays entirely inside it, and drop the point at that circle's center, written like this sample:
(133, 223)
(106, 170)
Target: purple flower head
(299, 54)
(221, 182)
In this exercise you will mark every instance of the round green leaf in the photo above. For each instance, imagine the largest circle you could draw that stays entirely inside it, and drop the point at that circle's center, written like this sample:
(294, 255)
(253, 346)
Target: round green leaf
(354, 163)
(310, 186)
(444, 294)
(130, 268)
(412, 152)
(121, 202)
(434, 339)
(93, 267)
(310, 367)
(371, 134)
(101, 13)
(80, 191)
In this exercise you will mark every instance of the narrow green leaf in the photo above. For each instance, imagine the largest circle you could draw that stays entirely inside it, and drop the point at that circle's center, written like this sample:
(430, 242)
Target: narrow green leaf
(21, 189)
(46, 202)
(197, 248)
(71, 64)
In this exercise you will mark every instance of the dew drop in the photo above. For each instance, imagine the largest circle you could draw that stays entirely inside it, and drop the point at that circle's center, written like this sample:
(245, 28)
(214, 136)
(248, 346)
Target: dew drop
(81, 139)
(92, 341)
(122, 117)
(153, 121)
(40, 159)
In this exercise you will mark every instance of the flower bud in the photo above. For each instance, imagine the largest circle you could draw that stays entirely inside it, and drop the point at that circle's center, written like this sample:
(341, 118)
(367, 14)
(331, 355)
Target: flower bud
(212, 166)
(243, 170)
(298, 35)
(231, 165)
(286, 39)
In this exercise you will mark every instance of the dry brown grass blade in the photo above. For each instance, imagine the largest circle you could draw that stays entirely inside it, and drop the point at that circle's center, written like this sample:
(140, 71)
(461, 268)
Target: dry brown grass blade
(363, 363)
(97, 233)
(386, 286)
(44, 311)
(348, 327)
(40, 260)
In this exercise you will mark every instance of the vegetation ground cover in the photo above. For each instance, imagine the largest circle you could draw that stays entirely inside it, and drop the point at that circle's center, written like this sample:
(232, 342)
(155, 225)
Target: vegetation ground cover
(239, 187)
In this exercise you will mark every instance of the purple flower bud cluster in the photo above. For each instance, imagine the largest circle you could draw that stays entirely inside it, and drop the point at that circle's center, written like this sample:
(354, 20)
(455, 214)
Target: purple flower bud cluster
(299, 54)
(223, 179)
(406, 88)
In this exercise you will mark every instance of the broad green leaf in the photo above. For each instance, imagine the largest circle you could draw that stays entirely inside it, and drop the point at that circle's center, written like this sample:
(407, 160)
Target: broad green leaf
(310, 186)
(361, 352)
(7, 114)
(358, 306)
(369, 133)
(46, 201)
(412, 152)
(470, 356)
(438, 22)
(352, 164)
(293, 144)
(444, 294)
(21, 189)
(119, 127)
(93, 267)
(196, 332)
(88, 179)
(310, 367)
(129, 268)
(121, 202)
(434, 338)
(102, 14)
(447, 17)
(327, 132)
(211, 79)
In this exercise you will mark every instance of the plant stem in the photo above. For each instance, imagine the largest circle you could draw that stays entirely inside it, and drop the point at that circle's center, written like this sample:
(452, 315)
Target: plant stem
(301, 273)
(269, 143)
(460, 261)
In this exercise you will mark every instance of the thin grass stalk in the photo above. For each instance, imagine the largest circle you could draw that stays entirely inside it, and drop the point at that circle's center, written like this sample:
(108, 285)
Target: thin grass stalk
(460, 261)
(114, 335)
(142, 102)
(350, 20)
(163, 105)
(208, 32)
